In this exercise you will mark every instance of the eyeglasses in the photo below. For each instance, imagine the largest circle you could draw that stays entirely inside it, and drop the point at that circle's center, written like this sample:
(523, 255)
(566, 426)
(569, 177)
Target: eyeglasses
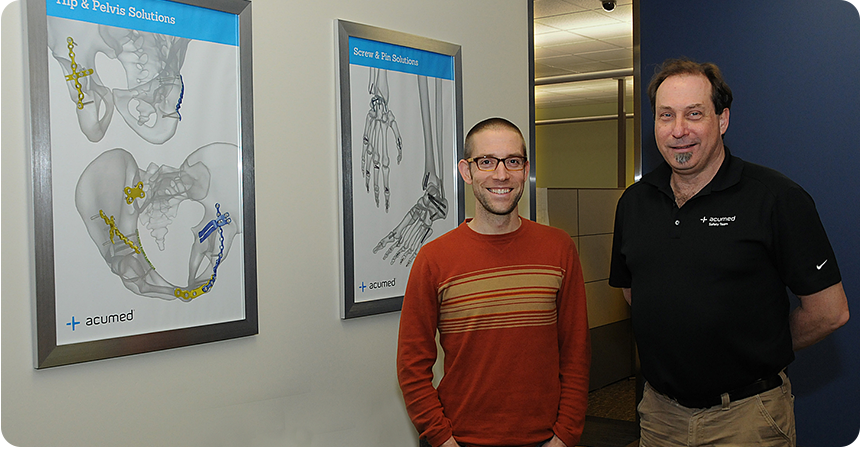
(490, 163)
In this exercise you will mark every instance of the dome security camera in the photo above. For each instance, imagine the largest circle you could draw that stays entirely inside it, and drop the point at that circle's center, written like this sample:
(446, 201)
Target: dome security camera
(609, 5)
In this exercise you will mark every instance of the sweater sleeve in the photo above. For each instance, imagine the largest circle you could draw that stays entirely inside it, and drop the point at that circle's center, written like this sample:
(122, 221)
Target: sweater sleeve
(416, 354)
(574, 353)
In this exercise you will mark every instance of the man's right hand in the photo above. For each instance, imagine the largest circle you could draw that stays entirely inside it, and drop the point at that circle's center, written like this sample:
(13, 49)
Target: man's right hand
(450, 443)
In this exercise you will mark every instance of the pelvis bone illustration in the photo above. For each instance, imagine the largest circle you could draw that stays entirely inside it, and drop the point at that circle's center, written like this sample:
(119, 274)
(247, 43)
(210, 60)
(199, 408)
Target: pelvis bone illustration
(114, 196)
(151, 98)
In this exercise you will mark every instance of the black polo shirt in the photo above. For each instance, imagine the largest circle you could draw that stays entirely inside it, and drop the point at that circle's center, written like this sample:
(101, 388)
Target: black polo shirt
(708, 281)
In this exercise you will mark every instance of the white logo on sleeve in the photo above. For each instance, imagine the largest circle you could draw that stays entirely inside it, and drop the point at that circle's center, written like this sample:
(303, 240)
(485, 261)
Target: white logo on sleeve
(819, 266)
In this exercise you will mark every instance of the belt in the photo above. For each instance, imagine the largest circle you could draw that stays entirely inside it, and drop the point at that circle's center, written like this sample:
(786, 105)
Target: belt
(762, 385)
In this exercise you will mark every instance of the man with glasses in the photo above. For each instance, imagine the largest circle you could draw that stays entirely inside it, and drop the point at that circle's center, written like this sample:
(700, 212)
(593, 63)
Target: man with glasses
(507, 298)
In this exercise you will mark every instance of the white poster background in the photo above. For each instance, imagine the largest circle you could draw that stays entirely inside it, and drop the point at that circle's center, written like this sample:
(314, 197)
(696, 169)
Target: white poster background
(371, 222)
(85, 286)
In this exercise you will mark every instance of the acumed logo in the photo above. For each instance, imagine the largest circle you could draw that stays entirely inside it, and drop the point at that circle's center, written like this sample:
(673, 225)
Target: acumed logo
(718, 221)
(102, 319)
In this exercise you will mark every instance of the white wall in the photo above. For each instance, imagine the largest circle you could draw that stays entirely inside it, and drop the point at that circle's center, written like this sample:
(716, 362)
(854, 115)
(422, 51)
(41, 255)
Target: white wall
(308, 378)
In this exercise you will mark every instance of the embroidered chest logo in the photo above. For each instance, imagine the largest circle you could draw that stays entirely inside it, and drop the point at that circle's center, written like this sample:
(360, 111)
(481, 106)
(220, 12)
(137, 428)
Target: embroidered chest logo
(718, 221)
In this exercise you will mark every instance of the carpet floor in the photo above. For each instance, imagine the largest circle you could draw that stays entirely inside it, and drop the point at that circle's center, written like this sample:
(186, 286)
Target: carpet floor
(610, 420)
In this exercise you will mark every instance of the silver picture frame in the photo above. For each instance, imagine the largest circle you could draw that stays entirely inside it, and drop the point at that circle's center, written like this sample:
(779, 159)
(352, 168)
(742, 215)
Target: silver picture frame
(161, 330)
(400, 99)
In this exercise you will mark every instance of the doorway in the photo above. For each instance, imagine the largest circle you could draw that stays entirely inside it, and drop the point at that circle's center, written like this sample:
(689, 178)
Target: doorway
(585, 152)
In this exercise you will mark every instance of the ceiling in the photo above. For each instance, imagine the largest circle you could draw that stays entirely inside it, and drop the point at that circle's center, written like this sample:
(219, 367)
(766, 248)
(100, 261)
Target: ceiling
(575, 37)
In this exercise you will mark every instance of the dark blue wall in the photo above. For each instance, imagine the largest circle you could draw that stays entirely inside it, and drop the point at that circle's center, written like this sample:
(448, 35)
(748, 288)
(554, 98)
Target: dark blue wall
(794, 69)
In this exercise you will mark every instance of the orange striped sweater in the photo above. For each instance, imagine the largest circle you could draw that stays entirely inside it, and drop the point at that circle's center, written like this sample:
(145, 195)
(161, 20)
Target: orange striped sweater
(511, 315)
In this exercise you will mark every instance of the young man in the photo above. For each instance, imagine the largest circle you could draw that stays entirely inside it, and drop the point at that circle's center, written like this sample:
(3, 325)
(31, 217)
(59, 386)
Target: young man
(508, 300)
(704, 247)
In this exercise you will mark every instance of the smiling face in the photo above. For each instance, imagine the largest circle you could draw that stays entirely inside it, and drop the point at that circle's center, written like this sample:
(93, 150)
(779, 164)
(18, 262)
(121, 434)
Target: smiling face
(497, 192)
(687, 129)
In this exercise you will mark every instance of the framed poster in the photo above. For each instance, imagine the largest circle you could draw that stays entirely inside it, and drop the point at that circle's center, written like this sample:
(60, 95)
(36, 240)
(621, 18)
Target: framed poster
(401, 135)
(143, 175)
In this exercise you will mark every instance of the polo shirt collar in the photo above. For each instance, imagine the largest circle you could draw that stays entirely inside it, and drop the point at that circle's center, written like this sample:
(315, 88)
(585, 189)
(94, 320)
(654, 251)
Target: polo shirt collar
(728, 175)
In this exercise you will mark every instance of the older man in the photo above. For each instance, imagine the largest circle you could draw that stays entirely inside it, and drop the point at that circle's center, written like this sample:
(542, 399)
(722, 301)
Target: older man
(704, 248)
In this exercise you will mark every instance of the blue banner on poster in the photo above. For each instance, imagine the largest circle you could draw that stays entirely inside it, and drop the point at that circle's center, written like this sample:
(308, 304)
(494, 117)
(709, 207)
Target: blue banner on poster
(369, 53)
(154, 16)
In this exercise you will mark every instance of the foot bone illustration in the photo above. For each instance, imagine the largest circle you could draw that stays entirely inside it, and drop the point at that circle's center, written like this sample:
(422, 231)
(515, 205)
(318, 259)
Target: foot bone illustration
(417, 225)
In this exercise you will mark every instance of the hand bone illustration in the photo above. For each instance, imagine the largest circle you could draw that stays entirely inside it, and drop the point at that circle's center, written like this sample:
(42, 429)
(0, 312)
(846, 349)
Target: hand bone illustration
(374, 153)
(417, 225)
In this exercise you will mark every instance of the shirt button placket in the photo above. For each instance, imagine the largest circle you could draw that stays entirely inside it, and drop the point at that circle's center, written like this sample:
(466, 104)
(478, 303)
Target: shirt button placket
(676, 225)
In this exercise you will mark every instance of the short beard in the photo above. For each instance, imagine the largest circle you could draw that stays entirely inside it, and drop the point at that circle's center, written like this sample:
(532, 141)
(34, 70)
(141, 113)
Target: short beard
(490, 208)
(682, 158)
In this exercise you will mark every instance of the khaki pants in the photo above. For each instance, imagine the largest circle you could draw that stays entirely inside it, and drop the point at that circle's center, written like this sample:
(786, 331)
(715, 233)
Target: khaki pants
(765, 420)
